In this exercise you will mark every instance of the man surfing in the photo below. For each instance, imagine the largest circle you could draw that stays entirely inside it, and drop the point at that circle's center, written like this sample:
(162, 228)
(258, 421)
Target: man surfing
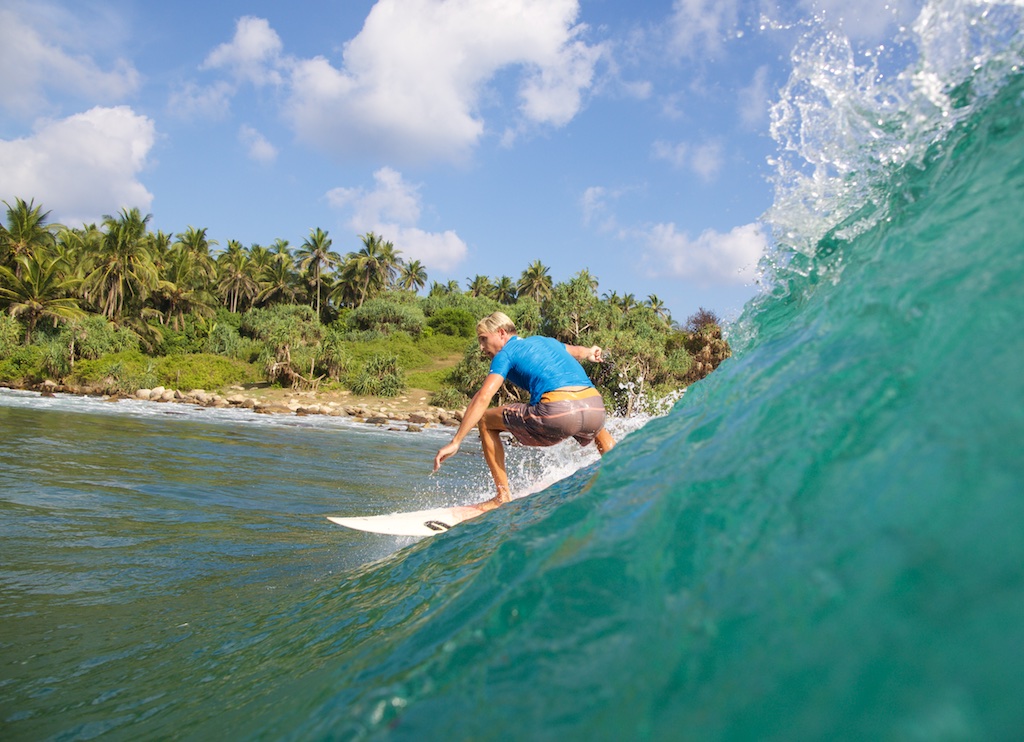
(563, 401)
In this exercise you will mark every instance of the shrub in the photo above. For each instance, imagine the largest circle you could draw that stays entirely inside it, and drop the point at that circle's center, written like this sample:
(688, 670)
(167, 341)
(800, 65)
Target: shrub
(449, 398)
(387, 316)
(119, 373)
(454, 321)
(25, 363)
(95, 336)
(11, 332)
(333, 358)
(202, 371)
(380, 377)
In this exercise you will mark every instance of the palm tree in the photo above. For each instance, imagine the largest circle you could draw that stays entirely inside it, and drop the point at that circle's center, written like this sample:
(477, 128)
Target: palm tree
(124, 268)
(26, 233)
(535, 282)
(195, 242)
(628, 303)
(260, 257)
(480, 286)
(589, 279)
(316, 252)
(236, 281)
(412, 276)
(371, 270)
(41, 290)
(659, 308)
(182, 288)
(74, 248)
(280, 247)
(505, 290)
(278, 283)
(159, 248)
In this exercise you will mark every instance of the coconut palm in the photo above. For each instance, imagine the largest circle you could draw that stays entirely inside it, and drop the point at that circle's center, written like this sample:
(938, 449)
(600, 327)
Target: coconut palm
(124, 270)
(480, 286)
(279, 283)
(412, 276)
(236, 280)
(535, 282)
(39, 290)
(195, 242)
(316, 253)
(260, 258)
(371, 270)
(75, 247)
(628, 303)
(280, 247)
(182, 288)
(505, 290)
(659, 308)
(589, 279)
(25, 234)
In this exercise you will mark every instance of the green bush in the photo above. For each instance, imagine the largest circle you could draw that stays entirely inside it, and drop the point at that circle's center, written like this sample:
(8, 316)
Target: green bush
(380, 377)
(387, 316)
(478, 307)
(11, 333)
(441, 346)
(333, 359)
(282, 324)
(120, 373)
(449, 398)
(95, 336)
(454, 321)
(408, 352)
(24, 364)
(203, 371)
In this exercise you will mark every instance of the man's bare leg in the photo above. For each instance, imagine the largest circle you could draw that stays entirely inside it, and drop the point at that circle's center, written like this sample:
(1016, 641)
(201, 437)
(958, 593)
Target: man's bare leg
(490, 426)
(604, 441)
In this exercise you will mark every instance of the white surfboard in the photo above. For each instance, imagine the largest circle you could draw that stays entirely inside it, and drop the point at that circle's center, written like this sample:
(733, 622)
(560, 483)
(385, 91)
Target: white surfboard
(417, 523)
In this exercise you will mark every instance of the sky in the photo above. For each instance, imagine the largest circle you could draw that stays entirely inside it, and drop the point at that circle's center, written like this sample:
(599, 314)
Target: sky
(631, 139)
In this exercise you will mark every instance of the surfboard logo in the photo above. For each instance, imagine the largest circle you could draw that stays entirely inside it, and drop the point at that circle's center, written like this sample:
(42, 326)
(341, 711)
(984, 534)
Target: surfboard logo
(436, 525)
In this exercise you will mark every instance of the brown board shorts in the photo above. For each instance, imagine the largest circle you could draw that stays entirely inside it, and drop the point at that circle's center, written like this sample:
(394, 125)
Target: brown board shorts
(558, 415)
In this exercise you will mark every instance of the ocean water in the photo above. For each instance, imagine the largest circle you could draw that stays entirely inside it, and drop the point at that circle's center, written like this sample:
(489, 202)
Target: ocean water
(824, 539)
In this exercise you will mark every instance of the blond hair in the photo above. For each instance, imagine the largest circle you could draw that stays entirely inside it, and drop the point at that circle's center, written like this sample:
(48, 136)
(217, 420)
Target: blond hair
(496, 321)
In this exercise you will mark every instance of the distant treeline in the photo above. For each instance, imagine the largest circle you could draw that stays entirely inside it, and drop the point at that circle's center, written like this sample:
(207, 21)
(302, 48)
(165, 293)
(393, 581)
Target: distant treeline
(121, 307)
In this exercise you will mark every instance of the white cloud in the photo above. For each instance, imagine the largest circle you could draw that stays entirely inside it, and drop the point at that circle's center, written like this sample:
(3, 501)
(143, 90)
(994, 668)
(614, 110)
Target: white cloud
(754, 100)
(81, 167)
(414, 80)
(256, 145)
(195, 101)
(391, 210)
(705, 159)
(33, 66)
(699, 27)
(253, 55)
(596, 205)
(713, 258)
(672, 153)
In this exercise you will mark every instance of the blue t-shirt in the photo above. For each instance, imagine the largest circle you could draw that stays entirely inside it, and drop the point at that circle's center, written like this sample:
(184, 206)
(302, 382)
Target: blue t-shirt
(538, 364)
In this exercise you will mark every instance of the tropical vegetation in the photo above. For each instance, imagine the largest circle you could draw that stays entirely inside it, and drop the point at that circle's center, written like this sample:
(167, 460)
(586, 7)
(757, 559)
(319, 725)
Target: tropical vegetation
(116, 306)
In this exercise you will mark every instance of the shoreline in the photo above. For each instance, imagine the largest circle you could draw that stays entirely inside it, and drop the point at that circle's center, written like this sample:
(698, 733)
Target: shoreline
(409, 410)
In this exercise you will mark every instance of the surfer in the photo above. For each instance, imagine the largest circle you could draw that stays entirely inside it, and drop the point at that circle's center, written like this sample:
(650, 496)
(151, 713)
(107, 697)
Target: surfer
(563, 401)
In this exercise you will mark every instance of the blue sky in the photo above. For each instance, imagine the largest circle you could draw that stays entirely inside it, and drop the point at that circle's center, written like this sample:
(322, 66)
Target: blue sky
(628, 138)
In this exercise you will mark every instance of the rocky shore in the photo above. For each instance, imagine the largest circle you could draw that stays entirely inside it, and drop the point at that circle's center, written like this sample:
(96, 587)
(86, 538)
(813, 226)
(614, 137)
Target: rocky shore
(407, 412)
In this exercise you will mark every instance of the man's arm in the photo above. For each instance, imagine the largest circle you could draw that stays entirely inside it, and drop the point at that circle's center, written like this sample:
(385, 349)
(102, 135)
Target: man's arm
(477, 406)
(581, 353)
